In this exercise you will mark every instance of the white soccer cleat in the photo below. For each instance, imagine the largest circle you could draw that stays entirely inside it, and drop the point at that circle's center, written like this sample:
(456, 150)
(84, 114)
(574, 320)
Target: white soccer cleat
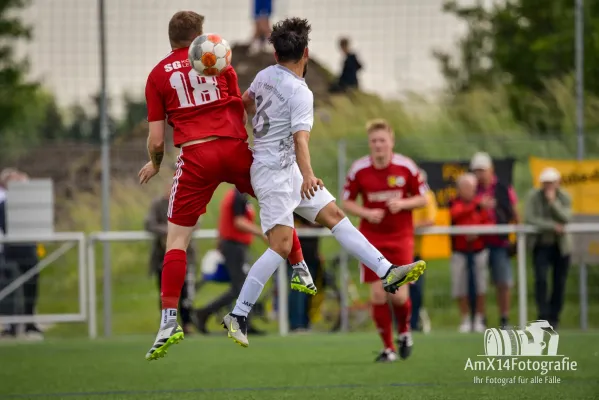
(466, 326)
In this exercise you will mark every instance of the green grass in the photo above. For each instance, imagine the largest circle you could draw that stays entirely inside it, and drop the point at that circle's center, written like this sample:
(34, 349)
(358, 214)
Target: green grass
(298, 367)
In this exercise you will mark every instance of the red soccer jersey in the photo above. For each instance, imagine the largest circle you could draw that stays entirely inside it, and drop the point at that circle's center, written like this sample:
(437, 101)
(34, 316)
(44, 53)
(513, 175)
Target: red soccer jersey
(401, 178)
(195, 106)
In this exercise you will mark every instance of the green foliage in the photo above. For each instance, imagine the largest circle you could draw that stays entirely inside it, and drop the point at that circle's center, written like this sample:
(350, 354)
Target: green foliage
(523, 46)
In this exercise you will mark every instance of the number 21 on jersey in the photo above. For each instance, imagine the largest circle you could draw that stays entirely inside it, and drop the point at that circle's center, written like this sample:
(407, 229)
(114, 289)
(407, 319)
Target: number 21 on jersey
(204, 89)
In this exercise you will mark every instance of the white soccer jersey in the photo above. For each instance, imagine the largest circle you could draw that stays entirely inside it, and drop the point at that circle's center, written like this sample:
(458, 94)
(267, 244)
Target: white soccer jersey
(284, 105)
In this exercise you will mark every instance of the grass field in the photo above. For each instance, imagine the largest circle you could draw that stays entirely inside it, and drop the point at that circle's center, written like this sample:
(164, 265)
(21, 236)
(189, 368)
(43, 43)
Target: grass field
(297, 367)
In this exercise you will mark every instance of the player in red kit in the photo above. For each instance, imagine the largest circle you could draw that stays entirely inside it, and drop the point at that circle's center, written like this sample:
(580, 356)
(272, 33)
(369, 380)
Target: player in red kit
(208, 120)
(391, 187)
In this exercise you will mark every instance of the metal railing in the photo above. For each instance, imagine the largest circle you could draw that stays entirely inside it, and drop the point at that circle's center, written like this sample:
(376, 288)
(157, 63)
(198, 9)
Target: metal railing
(519, 230)
(87, 282)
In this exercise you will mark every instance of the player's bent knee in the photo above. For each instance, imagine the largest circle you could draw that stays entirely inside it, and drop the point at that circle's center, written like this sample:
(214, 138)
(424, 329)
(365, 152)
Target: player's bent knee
(330, 215)
(401, 296)
(280, 239)
(377, 293)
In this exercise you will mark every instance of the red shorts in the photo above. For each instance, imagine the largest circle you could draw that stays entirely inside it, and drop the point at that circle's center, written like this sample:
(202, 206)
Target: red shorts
(395, 255)
(200, 169)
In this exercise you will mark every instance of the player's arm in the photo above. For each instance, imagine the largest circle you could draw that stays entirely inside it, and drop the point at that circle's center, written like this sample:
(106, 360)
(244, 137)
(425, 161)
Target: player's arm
(417, 186)
(248, 102)
(350, 205)
(157, 123)
(302, 118)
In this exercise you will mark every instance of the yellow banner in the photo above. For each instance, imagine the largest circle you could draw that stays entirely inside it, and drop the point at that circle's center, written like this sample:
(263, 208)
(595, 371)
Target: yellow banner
(579, 178)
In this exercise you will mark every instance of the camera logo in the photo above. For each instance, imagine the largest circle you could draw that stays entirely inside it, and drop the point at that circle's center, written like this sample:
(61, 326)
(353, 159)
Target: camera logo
(537, 339)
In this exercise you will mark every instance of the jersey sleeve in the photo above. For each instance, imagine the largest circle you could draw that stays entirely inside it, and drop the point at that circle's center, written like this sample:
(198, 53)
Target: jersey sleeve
(351, 189)
(232, 82)
(154, 102)
(302, 110)
(417, 184)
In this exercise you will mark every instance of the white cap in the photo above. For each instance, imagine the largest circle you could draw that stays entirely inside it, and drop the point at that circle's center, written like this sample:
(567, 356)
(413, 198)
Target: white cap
(549, 175)
(481, 160)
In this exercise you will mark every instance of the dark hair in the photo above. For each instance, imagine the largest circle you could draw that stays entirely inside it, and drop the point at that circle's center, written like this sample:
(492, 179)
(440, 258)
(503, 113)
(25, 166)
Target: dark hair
(184, 27)
(344, 42)
(290, 38)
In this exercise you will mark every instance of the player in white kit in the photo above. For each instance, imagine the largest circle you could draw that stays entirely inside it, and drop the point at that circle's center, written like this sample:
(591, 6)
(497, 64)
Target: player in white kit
(283, 179)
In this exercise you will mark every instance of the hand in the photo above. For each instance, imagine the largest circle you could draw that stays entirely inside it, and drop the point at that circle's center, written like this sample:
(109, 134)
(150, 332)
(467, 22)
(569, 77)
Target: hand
(550, 194)
(395, 205)
(311, 185)
(471, 238)
(487, 202)
(147, 172)
(559, 228)
(375, 215)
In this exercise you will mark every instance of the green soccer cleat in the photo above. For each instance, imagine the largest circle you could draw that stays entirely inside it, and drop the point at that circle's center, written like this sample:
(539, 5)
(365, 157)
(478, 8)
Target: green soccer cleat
(237, 328)
(301, 280)
(399, 275)
(169, 335)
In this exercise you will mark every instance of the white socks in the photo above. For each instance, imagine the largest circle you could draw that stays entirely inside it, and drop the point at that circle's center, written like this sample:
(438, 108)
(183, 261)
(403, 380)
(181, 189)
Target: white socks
(168, 315)
(358, 246)
(301, 265)
(259, 274)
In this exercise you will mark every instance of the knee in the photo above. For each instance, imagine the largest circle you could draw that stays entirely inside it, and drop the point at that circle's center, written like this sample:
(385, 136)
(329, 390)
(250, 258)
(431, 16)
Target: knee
(377, 293)
(282, 245)
(401, 296)
(330, 215)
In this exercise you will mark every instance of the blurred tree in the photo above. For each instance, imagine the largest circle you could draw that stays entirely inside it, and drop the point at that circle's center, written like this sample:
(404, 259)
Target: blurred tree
(522, 45)
(16, 94)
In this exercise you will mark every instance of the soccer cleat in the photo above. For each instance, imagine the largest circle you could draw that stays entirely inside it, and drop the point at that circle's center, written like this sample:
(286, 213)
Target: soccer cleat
(404, 345)
(399, 275)
(386, 356)
(167, 336)
(237, 328)
(466, 325)
(301, 280)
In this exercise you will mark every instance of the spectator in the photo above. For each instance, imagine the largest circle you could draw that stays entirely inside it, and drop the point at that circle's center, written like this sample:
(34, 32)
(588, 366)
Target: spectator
(500, 200)
(467, 209)
(422, 217)
(349, 74)
(24, 255)
(156, 223)
(262, 28)
(549, 209)
(236, 230)
(299, 303)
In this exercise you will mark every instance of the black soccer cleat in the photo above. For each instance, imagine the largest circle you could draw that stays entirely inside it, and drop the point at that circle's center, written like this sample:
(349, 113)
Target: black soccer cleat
(404, 345)
(386, 356)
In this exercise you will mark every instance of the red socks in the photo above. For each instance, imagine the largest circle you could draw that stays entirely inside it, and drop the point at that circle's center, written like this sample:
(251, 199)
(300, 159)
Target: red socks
(381, 315)
(403, 314)
(295, 256)
(173, 277)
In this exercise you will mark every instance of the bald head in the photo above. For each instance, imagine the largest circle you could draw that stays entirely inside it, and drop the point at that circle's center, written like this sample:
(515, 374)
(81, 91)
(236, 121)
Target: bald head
(466, 185)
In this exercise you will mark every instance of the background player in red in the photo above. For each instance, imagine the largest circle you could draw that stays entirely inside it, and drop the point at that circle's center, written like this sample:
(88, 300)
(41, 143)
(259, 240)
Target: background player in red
(391, 187)
(208, 120)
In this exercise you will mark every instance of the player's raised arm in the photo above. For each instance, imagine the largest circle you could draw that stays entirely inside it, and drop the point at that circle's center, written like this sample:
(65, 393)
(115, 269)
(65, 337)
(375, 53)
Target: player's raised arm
(155, 143)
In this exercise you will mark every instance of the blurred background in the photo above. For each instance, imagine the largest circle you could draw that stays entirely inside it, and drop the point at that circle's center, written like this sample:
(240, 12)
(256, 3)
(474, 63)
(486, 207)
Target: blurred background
(452, 78)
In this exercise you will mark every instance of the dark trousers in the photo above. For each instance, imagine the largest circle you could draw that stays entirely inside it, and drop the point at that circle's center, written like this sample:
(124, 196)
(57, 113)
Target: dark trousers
(545, 257)
(29, 291)
(299, 303)
(185, 300)
(417, 297)
(235, 255)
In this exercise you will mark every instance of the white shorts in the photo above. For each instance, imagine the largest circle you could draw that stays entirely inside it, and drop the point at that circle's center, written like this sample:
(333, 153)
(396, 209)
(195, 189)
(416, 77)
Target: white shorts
(279, 196)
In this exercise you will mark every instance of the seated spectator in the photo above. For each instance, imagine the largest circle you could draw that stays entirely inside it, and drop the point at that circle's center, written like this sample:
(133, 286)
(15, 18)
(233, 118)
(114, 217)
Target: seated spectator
(466, 209)
(549, 209)
(349, 74)
(500, 200)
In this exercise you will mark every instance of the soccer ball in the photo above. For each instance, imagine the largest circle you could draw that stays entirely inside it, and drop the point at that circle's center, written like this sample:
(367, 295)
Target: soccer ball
(210, 54)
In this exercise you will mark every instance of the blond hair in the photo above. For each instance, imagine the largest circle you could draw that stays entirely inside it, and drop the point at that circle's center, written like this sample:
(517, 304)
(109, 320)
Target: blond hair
(378, 124)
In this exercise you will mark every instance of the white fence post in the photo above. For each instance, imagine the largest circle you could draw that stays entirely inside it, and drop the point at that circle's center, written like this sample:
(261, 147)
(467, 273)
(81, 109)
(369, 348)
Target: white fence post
(522, 286)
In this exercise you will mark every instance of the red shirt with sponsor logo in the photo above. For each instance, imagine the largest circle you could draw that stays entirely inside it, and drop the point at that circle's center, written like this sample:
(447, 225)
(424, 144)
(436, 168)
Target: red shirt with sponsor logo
(402, 179)
(195, 106)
